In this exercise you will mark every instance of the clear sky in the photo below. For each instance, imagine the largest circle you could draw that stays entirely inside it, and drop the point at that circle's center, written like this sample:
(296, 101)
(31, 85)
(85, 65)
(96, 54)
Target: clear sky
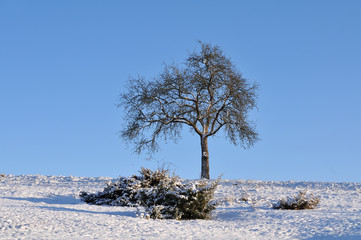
(64, 63)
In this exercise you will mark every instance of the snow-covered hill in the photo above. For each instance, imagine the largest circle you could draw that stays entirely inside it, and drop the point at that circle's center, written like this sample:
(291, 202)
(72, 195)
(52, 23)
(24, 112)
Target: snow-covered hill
(48, 207)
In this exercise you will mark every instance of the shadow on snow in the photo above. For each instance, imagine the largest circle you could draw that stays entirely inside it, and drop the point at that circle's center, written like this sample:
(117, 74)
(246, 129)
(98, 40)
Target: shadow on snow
(63, 209)
(69, 200)
(53, 199)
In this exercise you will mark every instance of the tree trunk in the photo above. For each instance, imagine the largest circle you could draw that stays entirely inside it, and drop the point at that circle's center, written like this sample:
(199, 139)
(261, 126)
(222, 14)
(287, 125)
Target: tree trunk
(205, 158)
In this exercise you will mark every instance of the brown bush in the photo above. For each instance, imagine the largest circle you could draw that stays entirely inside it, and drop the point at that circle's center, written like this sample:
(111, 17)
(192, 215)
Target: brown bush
(298, 202)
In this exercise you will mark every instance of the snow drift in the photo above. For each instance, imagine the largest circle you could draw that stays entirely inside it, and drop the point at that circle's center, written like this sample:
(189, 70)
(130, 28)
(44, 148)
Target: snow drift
(48, 207)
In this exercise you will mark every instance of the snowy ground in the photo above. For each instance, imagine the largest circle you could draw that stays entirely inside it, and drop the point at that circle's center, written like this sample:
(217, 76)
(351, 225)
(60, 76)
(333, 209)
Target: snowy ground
(48, 207)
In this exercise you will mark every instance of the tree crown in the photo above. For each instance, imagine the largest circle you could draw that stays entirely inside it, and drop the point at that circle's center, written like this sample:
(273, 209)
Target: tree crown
(207, 94)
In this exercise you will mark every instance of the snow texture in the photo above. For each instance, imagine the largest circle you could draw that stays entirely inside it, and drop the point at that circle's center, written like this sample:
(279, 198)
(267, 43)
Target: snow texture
(48, 207)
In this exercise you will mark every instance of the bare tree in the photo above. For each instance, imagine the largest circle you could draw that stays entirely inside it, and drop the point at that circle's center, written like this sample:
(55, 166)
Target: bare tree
(207, 94)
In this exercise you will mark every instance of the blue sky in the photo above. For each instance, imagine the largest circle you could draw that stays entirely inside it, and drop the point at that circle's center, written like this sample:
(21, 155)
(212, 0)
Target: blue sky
(64, 63)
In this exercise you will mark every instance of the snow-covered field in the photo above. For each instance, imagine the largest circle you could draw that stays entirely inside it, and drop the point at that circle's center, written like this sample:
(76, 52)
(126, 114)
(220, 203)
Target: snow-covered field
(48, 207)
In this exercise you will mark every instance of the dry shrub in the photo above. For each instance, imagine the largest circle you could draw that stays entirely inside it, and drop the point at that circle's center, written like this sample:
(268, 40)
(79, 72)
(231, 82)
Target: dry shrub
(298, 202)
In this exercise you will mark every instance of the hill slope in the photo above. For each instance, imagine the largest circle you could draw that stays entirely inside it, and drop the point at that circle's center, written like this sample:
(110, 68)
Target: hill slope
(48, 207)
